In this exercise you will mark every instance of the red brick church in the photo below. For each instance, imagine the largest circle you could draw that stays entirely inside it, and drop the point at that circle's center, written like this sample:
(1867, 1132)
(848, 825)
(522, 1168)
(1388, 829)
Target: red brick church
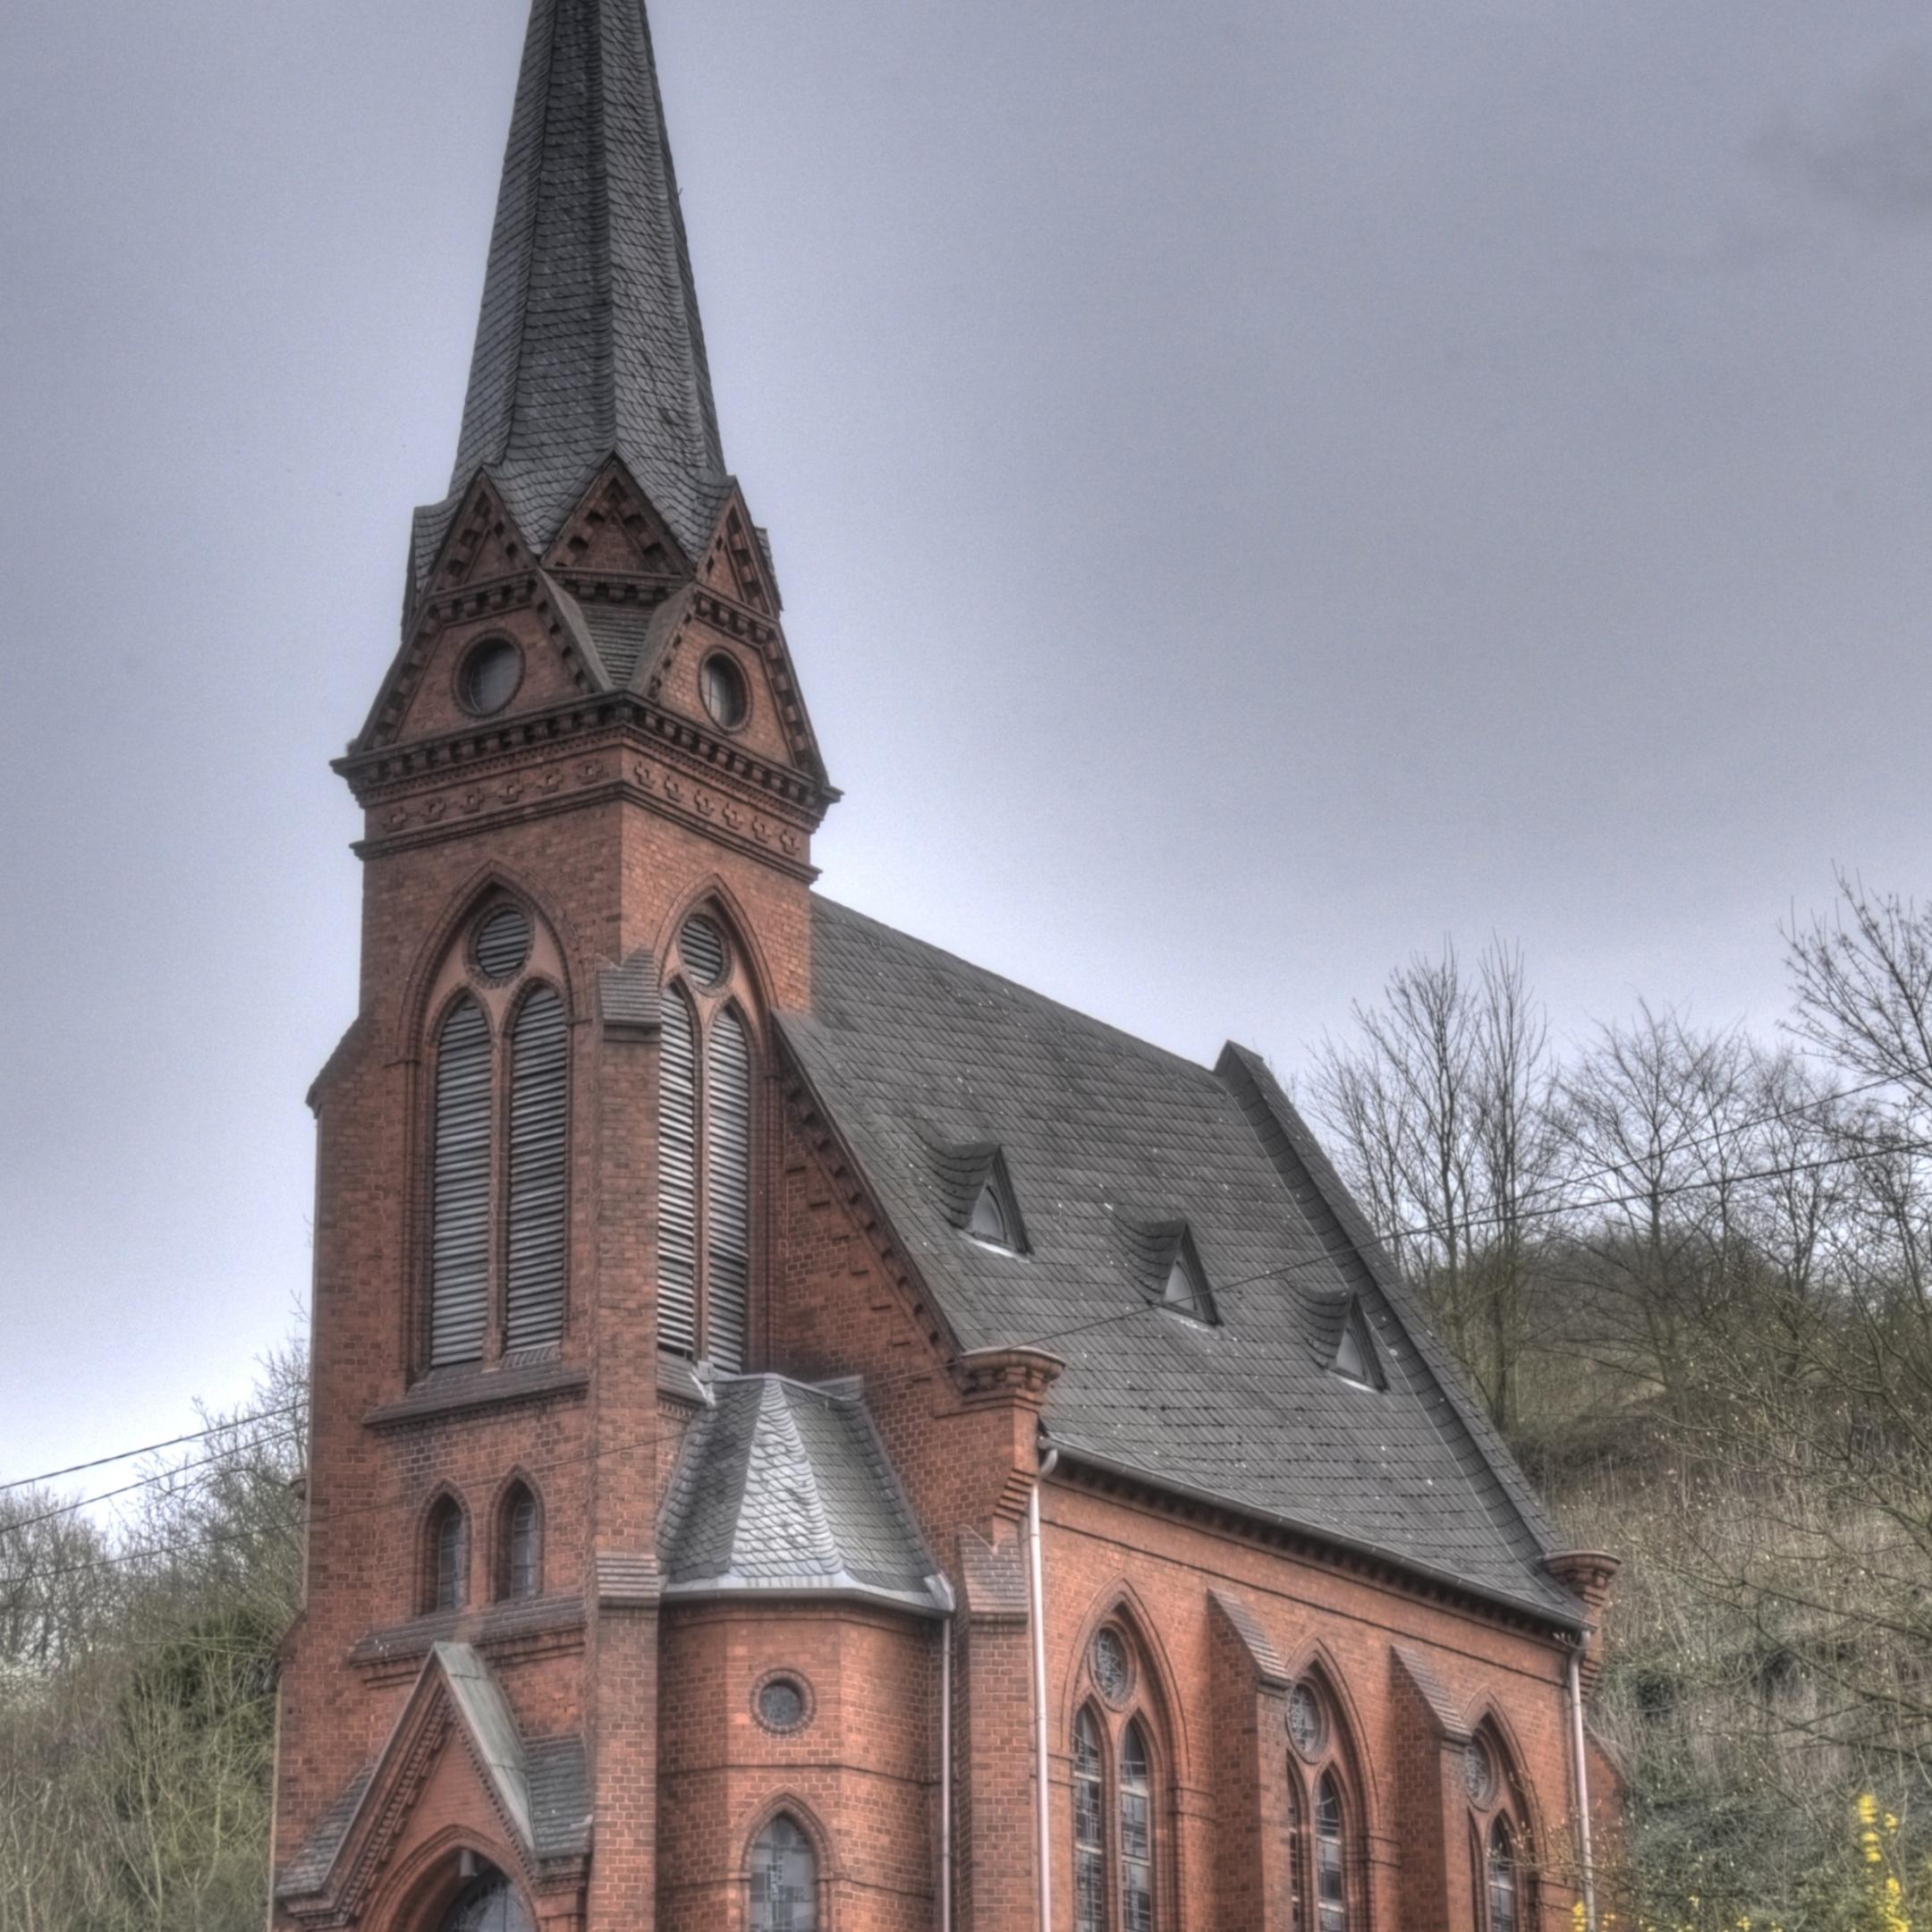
(810, 1435)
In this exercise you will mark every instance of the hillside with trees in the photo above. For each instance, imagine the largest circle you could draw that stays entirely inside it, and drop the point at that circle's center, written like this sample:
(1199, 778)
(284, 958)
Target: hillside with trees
(1688, 1271)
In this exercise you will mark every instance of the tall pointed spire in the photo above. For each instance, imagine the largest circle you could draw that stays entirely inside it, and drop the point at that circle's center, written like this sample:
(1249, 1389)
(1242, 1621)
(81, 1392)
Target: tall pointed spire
(590, 344)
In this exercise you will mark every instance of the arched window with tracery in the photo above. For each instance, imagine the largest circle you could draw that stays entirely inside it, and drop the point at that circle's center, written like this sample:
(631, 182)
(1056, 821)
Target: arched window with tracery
(1118, 1818)
(784, 1879)
(446, 1557)
(499, 1183)
(1323, 1854)
(706, 1151)
(1499, 1836)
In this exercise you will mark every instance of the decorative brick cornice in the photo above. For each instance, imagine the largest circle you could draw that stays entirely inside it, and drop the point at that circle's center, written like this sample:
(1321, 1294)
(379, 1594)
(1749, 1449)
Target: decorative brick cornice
(1014, 1375)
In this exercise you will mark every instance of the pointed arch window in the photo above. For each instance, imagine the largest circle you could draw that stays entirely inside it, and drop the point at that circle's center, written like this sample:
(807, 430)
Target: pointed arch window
(520, 1564)
(1322, 1855)
(499, 1183)
(447, 1565)
(1089, 1826)
(1330, 1857)
(706, 1136)
(785, 1879)
(1499, 1837)
(1297, 1875)
(1118, 1817)
(1501, 1886)
(488, 1904)
(1136, 1832)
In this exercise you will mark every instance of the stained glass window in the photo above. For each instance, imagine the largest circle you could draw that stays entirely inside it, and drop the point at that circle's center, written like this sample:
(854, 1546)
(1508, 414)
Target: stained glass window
(1136, 1833)
(1331, 1859)
(785, 1879)
(1089, 1827)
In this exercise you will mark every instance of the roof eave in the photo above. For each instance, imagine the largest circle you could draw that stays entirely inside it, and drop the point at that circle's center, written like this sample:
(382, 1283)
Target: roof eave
(1572, 1624)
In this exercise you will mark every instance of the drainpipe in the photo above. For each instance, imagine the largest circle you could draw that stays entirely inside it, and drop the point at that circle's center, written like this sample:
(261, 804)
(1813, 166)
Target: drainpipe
(1038, 1582)
(945, 1776)
(1583, 1788)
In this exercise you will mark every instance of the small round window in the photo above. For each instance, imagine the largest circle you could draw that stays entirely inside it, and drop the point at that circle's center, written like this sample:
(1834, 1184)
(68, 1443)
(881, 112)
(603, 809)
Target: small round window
(782, 1704)
(705, 956)
(1308, 1723)
(1479, 1772)
(726, 696)
(1113, 1672)
(491, 673)
(502, 943)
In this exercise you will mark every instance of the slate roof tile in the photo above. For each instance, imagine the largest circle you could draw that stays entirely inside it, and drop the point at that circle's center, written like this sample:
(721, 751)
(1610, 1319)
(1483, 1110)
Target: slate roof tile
(1095, 1126)
(590, 342)
(784, 1488)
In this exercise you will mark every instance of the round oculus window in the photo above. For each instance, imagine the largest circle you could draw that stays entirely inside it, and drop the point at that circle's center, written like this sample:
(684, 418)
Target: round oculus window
(1479, 1772)
(503, 943)
(1112, 1669)
(781, 1704)
(706, 958)
(491, 673)
(726, 696)
(1308, 1724)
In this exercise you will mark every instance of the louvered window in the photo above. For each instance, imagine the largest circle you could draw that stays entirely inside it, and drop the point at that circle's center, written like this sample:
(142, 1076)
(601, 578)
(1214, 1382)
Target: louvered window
(728, 1178)
(677, 1181)
(459, 1295)
(540, 1071)
(498, 1185)
(708, 1090)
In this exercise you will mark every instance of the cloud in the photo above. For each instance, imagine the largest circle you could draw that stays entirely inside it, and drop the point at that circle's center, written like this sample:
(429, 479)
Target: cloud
(1872, 151)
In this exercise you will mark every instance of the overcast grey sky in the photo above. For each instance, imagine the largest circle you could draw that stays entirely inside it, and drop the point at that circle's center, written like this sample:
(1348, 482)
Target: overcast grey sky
(1260, 485)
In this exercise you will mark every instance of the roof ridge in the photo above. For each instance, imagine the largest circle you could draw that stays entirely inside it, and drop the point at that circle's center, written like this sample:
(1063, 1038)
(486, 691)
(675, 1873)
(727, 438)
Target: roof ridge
(1019, 988)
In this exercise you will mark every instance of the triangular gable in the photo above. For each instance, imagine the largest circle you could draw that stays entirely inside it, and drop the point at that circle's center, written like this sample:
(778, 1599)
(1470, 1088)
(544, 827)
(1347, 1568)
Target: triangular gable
(456, 1703)
(614, 530)
(738, 562)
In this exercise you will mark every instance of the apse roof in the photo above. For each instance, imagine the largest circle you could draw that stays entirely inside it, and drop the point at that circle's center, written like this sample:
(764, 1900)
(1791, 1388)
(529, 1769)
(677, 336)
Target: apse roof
(1103, 1135)
(784, 1487)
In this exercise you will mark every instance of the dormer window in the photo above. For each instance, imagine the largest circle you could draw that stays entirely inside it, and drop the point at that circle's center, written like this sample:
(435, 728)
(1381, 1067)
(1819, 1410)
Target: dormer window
(1355, 1357)
(976, 1191)
(1187, 1288)
(988, 1222)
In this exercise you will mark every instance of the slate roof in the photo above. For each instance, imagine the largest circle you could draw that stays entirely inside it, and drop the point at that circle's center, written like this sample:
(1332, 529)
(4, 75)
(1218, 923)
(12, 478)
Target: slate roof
(784, 1488)
(590, 342)
(908, 1048)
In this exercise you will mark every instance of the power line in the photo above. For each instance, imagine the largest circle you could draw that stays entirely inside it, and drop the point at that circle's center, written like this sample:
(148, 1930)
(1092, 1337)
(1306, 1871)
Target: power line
(1326, 1258)
(128, 1456)
(207, 1462)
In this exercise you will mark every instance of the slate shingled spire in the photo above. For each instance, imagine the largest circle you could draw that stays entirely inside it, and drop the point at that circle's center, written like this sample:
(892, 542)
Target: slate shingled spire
(590, 344)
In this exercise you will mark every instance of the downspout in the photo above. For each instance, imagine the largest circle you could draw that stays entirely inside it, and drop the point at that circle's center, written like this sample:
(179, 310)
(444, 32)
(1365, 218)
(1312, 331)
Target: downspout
(1583, 1788)
(1038, 1583)
(945, 1776)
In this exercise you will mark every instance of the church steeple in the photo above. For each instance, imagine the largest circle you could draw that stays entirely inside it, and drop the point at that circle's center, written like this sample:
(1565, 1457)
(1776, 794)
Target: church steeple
(590, 345)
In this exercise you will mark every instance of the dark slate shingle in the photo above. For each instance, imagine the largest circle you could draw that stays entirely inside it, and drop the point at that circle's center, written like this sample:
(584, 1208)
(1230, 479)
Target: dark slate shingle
(784, 1488)
(590, 342)
(1102, 1135)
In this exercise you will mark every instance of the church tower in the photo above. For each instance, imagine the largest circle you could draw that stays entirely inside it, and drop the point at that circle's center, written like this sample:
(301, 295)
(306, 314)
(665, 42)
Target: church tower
(808, 1436)
(589, 787)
